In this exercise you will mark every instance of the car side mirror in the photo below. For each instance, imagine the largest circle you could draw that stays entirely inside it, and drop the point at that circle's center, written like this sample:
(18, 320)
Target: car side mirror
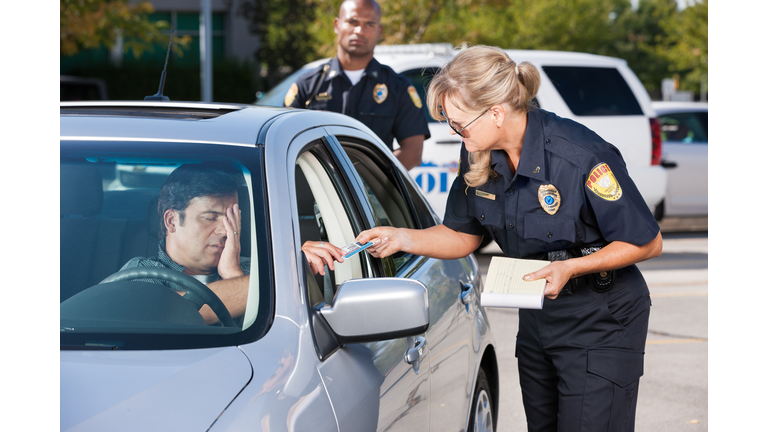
(369, 310)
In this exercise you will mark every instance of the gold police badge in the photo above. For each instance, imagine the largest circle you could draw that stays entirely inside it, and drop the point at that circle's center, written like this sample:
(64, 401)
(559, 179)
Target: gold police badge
(414, 96)
(549, 198)
(602, 183)
(380, 93)
(291, 95)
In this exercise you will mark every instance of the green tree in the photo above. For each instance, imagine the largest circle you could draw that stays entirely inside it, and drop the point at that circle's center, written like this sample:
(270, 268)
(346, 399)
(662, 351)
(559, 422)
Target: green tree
(685, 45)
(638, 44)
(86, 24)
(283, 26)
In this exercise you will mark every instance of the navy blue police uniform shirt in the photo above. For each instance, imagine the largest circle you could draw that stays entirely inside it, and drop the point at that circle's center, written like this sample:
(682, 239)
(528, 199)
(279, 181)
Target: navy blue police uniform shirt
(383, 100)
(565, 168)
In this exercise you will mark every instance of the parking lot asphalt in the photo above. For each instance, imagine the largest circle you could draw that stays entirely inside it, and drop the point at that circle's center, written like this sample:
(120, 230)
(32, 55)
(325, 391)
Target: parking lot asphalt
(674, 388)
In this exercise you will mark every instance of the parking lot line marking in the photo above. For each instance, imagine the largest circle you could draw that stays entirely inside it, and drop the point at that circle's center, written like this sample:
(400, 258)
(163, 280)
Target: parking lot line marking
(674, 341)
(681, 294)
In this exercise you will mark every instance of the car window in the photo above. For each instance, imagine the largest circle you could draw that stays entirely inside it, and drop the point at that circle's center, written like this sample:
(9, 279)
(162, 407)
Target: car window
(420, 79)
(594, 91)
(324, 215)
(383, 185)
(110, 221)
(690, 127)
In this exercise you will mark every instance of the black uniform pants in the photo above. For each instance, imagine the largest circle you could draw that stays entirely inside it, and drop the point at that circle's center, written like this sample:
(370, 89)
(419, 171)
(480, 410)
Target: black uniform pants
(580, 357)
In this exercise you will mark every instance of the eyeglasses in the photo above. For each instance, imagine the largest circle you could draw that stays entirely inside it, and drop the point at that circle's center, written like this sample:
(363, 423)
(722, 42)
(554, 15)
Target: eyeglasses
(458, 131)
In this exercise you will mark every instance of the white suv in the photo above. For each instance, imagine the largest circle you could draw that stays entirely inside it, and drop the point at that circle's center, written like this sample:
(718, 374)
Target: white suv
(599, 92)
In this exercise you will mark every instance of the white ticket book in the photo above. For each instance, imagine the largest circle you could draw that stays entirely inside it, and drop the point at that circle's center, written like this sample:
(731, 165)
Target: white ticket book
(505, 287)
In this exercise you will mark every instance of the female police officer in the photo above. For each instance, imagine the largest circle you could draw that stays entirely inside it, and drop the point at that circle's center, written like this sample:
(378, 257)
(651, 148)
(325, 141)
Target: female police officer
(546, 188)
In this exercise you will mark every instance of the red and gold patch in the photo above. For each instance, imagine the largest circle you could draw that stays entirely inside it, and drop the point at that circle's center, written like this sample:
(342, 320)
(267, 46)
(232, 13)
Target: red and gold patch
(414, 96)
(291, 95)
(602, 183)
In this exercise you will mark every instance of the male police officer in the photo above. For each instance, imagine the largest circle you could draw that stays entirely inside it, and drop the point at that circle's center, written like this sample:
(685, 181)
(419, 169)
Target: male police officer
(355, 84)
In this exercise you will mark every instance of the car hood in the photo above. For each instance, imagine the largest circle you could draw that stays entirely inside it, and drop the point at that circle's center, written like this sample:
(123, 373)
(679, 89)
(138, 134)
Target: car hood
(130, 390)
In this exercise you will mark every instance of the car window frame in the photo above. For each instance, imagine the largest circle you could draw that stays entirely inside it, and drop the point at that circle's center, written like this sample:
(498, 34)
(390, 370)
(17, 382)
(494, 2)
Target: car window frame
(353, 137)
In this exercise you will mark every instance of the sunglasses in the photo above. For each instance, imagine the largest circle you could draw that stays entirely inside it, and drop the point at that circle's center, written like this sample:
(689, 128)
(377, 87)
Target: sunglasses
(451, 124)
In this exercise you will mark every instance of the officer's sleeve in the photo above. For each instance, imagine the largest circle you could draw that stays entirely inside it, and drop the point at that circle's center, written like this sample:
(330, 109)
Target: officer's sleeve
(457, 215)
(621, 212)
(410, 119)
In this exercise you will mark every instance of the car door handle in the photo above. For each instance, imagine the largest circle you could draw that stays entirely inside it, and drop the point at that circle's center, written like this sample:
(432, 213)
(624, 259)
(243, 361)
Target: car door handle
(466, 292)
(413, 355)
(668, 164)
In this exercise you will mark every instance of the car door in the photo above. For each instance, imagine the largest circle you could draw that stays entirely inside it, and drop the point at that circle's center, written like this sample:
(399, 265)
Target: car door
(449, 340)
(370, 385)
(686, 144)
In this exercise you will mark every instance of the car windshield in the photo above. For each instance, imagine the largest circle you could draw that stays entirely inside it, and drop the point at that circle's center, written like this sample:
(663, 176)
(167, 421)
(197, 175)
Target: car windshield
(130, 236)
(686, 127)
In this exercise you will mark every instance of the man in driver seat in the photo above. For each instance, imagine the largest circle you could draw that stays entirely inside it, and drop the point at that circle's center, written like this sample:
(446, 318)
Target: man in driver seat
(199, 234)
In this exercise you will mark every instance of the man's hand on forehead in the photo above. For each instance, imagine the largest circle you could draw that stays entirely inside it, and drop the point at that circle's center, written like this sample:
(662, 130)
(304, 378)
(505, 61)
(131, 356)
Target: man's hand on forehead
(229, 263)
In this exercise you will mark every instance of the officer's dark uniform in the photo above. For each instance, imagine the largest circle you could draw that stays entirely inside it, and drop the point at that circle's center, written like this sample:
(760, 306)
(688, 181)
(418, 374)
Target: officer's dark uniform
(383, 100)
(581, 356)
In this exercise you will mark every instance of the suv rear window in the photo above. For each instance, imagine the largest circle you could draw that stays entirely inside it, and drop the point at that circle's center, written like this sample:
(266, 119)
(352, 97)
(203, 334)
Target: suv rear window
(592, 91)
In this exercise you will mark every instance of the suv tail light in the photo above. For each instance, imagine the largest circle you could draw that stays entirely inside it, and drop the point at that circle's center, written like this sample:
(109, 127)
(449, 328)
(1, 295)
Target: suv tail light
(655, 142)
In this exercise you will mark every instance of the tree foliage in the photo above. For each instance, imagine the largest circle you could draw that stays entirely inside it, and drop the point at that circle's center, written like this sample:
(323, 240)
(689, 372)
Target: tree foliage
(685, 43)
(655, 38)
(86, 24)
(283, 27)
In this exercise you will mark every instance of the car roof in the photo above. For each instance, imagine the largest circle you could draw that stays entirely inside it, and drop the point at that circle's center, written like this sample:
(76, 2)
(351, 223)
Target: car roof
(666, 107)
(215, 123)
(565, 58)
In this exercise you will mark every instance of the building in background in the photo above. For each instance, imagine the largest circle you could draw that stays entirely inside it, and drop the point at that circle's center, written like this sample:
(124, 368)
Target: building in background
(232, 44)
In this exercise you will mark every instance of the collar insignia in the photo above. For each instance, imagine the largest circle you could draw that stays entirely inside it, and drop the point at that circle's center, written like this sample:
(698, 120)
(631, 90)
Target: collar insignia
(549, 198)
(380, 93)
(332, 73)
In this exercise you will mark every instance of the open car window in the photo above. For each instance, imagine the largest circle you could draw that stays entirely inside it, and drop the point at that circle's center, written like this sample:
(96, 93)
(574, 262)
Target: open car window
(110, 227)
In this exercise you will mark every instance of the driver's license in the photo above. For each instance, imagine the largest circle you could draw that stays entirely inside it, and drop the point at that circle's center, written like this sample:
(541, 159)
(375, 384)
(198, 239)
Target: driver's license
(355, 247)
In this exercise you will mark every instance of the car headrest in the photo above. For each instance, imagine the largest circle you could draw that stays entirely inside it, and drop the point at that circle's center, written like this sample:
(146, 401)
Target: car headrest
(81, 190)
(153, 219)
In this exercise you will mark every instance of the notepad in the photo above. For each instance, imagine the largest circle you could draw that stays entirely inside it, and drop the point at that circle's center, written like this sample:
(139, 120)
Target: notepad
(505, 287)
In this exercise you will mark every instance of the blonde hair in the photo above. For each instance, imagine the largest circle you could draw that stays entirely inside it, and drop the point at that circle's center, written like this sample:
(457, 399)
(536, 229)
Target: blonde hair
(477, 78)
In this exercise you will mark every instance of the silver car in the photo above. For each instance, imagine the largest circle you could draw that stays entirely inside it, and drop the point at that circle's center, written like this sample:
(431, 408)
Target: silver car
(376, 344)
(684, 132)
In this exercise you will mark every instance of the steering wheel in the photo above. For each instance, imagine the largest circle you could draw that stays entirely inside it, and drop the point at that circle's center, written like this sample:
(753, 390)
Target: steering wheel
(190, 284)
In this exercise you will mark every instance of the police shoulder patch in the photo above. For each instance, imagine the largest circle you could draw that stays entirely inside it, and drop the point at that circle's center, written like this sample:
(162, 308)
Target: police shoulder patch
(291, 95)
(414, 96)
(603, 183)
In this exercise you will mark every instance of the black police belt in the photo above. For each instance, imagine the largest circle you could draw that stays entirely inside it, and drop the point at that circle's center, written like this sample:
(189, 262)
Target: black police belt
(599, 282)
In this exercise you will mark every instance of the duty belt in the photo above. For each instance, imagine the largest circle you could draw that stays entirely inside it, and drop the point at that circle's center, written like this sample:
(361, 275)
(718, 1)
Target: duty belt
(599, 282)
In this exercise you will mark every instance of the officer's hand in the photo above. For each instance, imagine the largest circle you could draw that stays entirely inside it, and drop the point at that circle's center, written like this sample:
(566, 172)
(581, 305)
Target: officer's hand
(386, 241)
(556, 273)
(229, 263)
(321, 254)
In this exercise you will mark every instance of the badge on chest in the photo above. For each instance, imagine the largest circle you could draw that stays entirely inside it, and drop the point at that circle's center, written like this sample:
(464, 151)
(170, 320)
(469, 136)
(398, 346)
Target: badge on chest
(380, 93)
(549, 198)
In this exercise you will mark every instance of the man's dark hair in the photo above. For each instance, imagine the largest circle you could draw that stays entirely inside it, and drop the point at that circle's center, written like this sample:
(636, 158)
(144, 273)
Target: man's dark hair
(195, 180)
